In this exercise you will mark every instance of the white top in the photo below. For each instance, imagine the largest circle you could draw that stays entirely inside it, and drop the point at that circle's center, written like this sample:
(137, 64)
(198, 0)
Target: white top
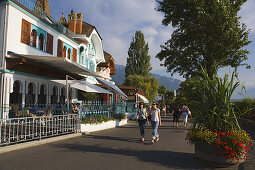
(155, 115)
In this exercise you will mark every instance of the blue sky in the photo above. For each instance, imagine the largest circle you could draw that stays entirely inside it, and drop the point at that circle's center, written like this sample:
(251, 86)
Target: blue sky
(117, 21)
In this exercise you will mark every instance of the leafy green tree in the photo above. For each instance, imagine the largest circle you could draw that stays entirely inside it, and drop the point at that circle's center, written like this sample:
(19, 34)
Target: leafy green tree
(162, 92)
(148, 84)
(138, 61)
(169, 97)
(207, 33)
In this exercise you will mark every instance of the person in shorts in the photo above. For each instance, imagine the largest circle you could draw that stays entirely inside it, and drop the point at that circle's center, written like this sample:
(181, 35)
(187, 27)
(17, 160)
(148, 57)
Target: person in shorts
(176, 114)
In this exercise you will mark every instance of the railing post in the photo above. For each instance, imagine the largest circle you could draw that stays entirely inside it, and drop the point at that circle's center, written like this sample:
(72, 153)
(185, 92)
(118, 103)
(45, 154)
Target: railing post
(40, 131)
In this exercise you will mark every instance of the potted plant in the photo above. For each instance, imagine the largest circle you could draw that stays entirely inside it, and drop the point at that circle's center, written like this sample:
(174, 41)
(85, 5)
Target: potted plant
(215, 130)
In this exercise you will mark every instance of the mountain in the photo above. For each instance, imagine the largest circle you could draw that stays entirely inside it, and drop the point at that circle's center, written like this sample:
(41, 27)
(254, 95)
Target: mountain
(170, 83)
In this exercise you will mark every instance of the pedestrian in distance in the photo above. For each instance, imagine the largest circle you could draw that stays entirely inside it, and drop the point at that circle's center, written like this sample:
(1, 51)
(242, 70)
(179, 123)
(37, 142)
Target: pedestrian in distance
(176, 114)
(155, 122)
(142, 118)
(185, 114)
(164, 110)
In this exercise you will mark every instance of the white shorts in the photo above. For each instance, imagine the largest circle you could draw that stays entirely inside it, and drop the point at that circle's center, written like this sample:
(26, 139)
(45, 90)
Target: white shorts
(185, 118)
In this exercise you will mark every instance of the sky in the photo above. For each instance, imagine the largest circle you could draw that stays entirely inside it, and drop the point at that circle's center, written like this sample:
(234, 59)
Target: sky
(118, 20)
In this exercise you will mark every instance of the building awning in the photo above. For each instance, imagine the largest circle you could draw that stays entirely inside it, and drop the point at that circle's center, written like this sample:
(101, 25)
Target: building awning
(83, 85)
(111, 87)
(141, 98)
(56, 62)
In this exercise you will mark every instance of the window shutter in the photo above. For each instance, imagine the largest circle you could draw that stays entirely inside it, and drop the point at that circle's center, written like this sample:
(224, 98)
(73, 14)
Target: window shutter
(74, 55)
(25, 32)
(60, 48)
(49, 47)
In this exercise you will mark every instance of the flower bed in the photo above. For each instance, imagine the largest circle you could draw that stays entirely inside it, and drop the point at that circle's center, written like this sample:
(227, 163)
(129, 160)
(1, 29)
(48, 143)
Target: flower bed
(102, 122)
(103, 125)
(234, 144)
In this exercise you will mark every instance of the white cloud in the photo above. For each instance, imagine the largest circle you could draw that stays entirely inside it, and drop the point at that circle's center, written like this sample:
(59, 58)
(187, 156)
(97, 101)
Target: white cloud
(247, 13)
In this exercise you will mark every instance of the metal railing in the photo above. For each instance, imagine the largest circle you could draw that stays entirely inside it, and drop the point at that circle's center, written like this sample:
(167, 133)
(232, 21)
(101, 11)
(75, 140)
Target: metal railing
(31, 128)
(83, 109)
(23, 123)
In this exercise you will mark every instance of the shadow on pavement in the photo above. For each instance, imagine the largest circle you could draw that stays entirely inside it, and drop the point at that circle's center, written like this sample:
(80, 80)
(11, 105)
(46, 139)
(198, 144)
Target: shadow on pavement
(163, 158)
(124, 139)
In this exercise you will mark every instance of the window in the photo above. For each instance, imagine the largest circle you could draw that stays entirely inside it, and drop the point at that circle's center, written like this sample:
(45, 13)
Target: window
(74, 55)
(60, 48)
(69, 54)
(91, 66)
(49, 47)
(41, 42)
(64, 52)
(33, 38)
(25, 32)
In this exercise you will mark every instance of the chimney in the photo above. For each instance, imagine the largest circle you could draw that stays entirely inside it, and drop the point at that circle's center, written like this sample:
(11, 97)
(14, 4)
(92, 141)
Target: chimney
(72, 19)
(79, 23)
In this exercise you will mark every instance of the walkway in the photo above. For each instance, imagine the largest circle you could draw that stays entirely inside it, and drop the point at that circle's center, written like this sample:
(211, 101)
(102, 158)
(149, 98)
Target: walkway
(118, 149)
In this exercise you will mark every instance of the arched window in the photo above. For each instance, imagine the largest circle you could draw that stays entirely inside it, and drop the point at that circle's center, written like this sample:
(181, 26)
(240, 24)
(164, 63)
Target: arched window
(42, 95)
(63, 96)
(82, 55)
(69, 54)
(64, 52)
(16, 96)
(30, 97)
(41, 42)
(15, 99)
(54, 96)
(33, 38)
(91, 66)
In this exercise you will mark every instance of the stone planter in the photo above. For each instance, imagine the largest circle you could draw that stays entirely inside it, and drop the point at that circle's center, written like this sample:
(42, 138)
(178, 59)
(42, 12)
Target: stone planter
(102, 126)
(210, 154)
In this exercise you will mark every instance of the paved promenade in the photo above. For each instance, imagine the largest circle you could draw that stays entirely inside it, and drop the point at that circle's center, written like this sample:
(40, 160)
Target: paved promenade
(118, 149)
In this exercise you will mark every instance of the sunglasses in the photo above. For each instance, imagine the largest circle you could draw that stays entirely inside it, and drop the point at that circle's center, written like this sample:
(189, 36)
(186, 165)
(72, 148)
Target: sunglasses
(154, 104)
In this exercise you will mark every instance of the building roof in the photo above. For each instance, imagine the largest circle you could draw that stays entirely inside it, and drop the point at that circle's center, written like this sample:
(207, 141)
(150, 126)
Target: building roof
(87, 29)
(139, 90)
(109, 62)
(44, 5)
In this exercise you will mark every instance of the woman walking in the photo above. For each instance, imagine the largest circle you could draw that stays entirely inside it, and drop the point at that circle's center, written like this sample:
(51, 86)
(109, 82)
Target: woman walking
(142, 119)
(185, 114)
(155, 122)
(176, 114)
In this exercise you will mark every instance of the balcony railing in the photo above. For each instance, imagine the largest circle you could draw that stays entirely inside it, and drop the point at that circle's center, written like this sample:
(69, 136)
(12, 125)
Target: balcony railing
(32, 7)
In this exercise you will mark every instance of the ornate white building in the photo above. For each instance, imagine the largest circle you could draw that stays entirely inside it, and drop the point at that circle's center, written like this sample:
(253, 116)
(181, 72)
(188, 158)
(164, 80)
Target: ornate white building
(38, 55)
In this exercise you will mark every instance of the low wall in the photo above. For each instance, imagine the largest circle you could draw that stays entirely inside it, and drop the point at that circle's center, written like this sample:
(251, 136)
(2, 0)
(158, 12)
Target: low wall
(102, 126)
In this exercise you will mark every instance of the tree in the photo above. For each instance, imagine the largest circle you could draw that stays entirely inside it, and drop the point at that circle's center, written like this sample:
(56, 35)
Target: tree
(162, 92)
(148, 84)
(138, 61)
(207, 33)
(169, 96)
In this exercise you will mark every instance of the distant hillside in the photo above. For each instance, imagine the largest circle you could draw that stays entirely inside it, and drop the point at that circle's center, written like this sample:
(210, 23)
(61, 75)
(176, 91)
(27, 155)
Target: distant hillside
(170, 83)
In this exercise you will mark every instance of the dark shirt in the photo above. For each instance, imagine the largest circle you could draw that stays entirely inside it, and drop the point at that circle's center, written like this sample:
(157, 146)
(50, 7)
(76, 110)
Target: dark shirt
(176, 111)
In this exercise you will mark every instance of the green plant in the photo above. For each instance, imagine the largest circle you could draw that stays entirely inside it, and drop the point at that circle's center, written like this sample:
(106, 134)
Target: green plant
(217, 118)
(211, 95)
(96, 119)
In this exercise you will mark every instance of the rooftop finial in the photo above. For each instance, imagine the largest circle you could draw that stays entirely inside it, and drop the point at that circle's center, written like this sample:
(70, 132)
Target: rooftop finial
(63, 14)
(72, 11)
